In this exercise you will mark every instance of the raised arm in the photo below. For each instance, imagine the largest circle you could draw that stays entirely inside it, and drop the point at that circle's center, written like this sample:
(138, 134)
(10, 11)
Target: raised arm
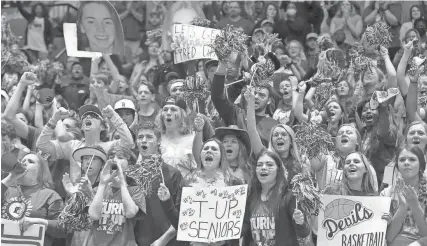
(391, 72)
(23, 12)
(225, 108)
(412, 97)
(199, 123)
(254, 137)
(299, 102)
(370, 18)
(401, 69)
(123, 131)
(114, 86)
(13, 105)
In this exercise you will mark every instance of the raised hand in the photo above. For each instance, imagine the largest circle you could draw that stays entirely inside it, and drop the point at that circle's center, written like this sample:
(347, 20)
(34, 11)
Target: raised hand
(199, 123)
(28, 78)
(106, 174)
(302, 86)
(383, 52)
(108, 112)
(68, 186)
(409, 46)
(61, 114)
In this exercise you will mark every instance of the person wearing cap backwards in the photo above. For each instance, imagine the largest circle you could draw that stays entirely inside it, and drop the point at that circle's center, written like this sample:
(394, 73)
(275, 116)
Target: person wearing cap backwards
(126, 110)
(94, 128)
(235, 115)
(177, 137)
(175, 88)
(155, 229)
(117, 205)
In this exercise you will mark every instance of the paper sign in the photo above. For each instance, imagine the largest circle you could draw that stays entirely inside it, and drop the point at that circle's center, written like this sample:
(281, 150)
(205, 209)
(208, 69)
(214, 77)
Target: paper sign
(192, 42)
(98, 30)
(211, 214)
(353, 220)
(11, 234)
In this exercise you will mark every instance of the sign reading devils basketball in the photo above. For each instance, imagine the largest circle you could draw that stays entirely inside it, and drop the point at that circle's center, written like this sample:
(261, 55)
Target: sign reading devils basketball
(353, 220)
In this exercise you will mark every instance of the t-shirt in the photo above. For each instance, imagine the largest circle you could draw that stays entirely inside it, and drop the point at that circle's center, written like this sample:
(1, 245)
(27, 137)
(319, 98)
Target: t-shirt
(156, 223)
(35, 35)
(263, 226)
(113, 228)
(43, 203)
(75, 92)
(179, 153)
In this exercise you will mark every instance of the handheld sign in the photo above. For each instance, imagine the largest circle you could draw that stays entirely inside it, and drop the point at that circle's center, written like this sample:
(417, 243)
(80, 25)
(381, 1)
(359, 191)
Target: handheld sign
(353, 220)
(11, 235)
(98, 31)
(211, 214)
(192, 42)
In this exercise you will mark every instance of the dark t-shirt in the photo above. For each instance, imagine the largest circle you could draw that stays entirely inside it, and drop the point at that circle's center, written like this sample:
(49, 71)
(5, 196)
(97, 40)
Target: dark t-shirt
(263, 226)
(155, 224)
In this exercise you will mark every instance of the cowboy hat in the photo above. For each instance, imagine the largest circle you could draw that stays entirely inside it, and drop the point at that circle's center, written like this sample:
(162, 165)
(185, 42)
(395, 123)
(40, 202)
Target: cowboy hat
(241, 134)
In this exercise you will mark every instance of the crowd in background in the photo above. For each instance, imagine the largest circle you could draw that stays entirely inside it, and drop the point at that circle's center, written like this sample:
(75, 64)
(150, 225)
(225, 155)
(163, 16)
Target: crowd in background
(131, 107)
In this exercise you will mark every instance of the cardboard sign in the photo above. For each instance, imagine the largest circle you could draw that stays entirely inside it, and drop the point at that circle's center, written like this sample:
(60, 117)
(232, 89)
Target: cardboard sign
(212, 214)
(353, 220)
(192, 42)
(11, 234)
(98, 31)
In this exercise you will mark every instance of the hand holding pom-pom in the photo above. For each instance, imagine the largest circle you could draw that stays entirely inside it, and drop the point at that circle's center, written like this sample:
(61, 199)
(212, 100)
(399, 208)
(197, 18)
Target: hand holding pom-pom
(28, 78)
(163, 193)
(409, 46)
(298, 217)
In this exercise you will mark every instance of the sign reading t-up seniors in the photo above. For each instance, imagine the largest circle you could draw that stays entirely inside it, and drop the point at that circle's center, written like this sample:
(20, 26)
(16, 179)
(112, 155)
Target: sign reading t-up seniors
(98, 31)
(211, 214)
(353, 220)
(192, 42)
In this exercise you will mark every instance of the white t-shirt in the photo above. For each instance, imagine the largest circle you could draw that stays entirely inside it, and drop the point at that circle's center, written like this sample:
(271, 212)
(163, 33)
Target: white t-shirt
(35, 35)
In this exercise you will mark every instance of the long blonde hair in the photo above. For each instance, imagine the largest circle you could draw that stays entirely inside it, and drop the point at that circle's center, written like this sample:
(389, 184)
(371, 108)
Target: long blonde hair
(368, 185)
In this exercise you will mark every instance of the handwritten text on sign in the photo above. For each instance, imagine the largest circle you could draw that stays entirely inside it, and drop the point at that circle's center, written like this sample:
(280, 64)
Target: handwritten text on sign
(192, 42)
(11, 234)
(349, 221)
(211, 214)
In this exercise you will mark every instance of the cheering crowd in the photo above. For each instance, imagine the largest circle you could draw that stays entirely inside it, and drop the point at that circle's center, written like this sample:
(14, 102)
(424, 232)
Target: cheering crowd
(99, 149)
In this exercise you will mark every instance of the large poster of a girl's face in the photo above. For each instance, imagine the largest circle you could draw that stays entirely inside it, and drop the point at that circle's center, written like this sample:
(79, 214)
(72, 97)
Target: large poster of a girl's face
(99, 28)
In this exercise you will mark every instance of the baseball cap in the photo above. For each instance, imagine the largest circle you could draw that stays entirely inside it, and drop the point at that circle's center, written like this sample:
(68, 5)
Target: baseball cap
(267, 21)
(210, 63)
(86, 109)
(175, 101)
(124, 104)
(171, 75)
(312, 35)
(259, 30)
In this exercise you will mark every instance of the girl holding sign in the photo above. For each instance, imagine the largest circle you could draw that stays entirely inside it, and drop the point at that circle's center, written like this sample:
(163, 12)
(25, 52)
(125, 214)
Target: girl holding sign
(409, 198)
(271, 216)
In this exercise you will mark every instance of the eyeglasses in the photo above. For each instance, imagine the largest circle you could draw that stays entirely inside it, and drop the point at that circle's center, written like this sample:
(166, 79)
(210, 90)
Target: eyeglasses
(91, 116)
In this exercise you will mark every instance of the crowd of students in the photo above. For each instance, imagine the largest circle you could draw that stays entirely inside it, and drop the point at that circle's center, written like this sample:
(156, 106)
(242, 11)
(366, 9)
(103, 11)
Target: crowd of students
(111, 117)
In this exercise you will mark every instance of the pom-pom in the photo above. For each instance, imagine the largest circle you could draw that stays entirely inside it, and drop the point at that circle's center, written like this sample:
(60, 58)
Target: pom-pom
(195, 88)
(74, 216)
(308, 197)
(331, 65)
(415, 63)
(325, 42)
(198, 21)
(154, 36)
(146, 173)
(377, 34)
(313, 139)
(264, 45)
(358, 61)
(230, 40)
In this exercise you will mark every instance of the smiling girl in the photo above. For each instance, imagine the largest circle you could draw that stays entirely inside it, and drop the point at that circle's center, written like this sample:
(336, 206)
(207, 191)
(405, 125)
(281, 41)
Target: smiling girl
(100, 28)
(409, 198)
(271, 216)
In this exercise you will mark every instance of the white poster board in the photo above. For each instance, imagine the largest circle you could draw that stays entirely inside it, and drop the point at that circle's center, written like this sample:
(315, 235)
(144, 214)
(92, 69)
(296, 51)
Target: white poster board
(212, 214)
(353, 220)
(192, 42)
(11, 234)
